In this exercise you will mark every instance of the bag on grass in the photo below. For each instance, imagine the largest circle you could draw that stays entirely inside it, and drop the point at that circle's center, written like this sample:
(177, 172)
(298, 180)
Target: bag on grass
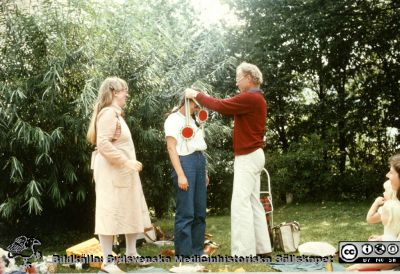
(287, 236)
(153, 234)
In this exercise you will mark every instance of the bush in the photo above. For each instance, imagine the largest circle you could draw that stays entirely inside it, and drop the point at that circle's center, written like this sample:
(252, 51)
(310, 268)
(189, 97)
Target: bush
(301, 171)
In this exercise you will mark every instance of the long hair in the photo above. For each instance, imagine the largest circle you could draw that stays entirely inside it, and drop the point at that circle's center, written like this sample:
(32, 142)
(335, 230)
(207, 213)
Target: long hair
(104, 99)
(394, 162)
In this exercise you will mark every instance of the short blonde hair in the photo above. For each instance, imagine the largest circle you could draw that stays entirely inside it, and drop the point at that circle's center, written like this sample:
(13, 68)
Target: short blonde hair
(252, 70)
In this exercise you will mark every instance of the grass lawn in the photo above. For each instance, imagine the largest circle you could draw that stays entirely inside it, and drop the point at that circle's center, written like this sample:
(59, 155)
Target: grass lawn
(329, 222)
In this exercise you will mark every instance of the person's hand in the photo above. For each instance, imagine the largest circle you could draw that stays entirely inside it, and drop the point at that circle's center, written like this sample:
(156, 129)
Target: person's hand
(379, 201)
(191, 93)
(134, 165)
(183, 183)
(207, 180)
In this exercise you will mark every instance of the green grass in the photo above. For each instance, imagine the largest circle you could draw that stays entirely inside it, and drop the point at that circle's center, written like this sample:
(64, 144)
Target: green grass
(328, 222)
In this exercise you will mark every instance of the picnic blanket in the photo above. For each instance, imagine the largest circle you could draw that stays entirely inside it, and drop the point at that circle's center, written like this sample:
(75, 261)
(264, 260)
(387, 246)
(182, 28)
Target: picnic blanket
(300, 267)
(150, 269)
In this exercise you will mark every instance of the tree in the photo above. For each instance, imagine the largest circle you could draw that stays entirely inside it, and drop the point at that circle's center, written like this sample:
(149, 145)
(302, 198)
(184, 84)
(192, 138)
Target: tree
(53, 58)
(334, 51)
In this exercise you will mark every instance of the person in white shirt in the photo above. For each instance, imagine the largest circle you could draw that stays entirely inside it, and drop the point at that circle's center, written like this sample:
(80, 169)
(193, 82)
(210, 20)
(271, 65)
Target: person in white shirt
(382, 211)
(190, 179)
(389, 216)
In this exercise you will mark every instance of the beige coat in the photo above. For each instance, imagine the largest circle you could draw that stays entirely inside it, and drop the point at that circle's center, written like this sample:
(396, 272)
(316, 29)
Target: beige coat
(120, 204)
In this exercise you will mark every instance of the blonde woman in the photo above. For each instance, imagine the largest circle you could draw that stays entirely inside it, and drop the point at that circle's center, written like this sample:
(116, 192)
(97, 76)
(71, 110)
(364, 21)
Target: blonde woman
(120, 204)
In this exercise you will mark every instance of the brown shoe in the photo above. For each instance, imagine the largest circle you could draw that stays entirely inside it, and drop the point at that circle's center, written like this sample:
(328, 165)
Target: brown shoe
(167, 252)
(265, 255)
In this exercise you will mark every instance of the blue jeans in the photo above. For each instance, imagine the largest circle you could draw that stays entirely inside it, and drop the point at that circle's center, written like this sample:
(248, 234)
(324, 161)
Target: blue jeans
(190, 216)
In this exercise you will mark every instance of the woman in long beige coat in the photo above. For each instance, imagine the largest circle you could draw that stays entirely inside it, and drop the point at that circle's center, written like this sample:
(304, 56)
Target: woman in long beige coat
(120, 204)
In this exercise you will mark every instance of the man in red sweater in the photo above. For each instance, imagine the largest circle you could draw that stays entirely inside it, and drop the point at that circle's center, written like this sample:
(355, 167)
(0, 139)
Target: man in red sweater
(249, 232)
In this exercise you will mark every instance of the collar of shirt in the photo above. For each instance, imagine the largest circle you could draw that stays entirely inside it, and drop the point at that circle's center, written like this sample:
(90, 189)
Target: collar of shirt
(118, 109)
(183, 116)
(255, 90)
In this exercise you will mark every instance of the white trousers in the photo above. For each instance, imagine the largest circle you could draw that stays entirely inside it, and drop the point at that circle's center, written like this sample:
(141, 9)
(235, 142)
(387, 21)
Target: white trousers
(249, 231)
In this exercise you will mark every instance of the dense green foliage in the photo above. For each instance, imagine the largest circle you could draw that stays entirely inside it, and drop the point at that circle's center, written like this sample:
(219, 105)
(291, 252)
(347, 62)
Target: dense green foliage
(332, 85)
(53, 58)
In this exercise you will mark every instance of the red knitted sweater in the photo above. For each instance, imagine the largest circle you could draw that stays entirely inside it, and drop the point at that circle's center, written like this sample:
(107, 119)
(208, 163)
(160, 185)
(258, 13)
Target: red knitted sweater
(250, 112)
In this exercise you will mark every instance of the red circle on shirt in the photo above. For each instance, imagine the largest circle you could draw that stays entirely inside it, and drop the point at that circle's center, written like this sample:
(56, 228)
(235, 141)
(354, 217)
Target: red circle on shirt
(203, 115)
(187, 132)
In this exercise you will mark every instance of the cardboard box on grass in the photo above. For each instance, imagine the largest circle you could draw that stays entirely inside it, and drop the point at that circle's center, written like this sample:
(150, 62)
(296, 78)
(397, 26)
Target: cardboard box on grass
(87, 248)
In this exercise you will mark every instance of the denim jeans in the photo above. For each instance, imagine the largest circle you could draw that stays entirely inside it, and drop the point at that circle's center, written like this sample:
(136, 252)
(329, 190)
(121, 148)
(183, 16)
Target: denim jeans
(190, 216)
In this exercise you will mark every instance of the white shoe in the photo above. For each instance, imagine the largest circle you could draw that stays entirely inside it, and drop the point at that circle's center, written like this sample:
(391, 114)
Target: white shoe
(111, 268)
